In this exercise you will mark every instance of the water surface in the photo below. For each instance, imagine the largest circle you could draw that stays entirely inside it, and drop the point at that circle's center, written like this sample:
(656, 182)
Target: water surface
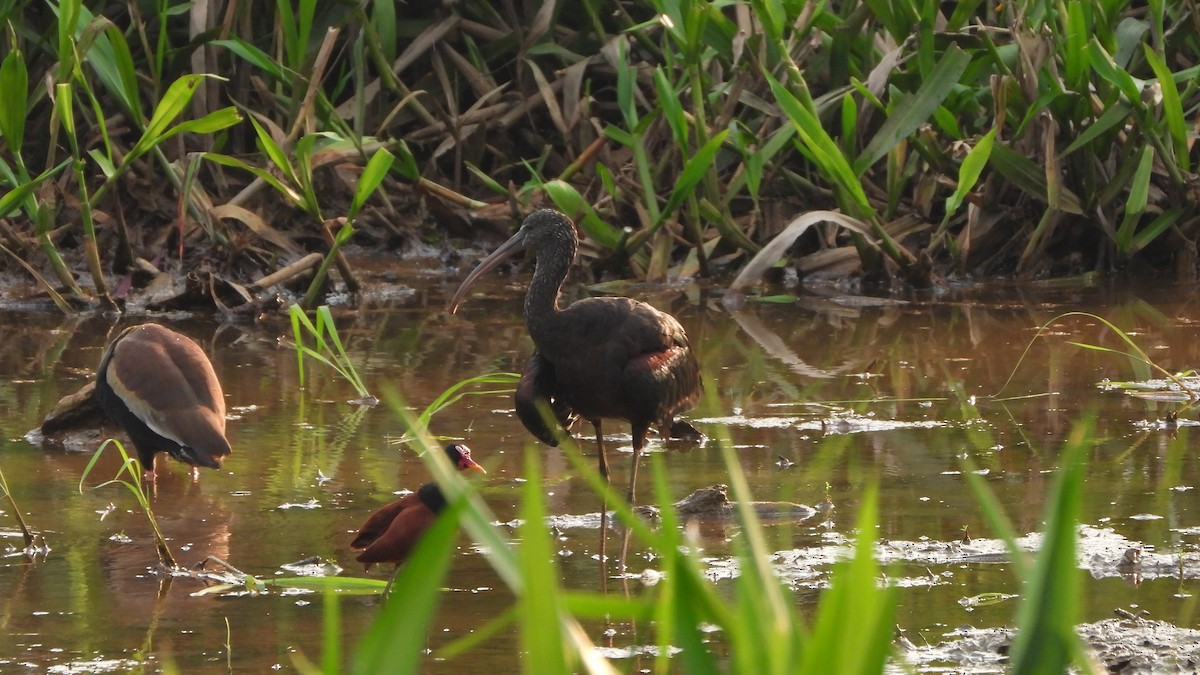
(854, 392)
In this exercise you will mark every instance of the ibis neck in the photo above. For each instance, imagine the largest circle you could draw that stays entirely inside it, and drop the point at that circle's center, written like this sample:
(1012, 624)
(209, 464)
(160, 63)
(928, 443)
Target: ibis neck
(541, 301)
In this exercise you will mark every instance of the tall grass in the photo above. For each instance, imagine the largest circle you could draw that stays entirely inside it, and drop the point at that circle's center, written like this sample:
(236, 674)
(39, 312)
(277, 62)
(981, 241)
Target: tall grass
(758, 621)
(983, 138)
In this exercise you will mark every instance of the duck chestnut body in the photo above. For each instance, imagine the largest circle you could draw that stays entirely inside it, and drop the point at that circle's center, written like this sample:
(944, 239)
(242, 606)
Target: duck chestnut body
(160, 387)
(599, 358)
(390, 533)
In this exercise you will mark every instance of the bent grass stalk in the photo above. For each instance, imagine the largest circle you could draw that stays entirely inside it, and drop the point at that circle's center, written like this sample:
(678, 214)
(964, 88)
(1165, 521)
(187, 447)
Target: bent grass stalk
(29, 538)
(1135, 352)
(134, 483)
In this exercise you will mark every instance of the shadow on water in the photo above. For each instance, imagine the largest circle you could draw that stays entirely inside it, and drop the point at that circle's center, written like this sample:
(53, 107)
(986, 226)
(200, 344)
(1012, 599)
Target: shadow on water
(820, 398)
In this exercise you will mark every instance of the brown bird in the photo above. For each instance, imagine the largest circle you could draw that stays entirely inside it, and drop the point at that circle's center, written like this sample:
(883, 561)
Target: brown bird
(599, 358)
(392, 532)
(162, 389)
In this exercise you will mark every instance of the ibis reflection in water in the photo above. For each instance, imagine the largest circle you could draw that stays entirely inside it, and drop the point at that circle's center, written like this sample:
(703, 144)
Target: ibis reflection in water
(599, 358)
(162, 389)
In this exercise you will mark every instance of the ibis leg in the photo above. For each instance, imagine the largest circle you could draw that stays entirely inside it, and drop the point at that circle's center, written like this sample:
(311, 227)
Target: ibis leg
(639, 440)
(603, 504)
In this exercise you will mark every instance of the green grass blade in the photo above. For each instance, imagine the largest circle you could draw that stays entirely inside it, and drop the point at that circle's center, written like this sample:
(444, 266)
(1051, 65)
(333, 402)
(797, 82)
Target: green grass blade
(11, 199)
(172, 104)
(1104, 66)
(277, 156)
(254, 56)
(693, 172)
(915, 110)
(1161, 223)
(372, 175)
(568, 200)
(213, 122)
(1139, 194)
(854, 623)
(969, 172)
(1031, 178)
(541, 638)
(269, 178)
(1046, 641)
(824, 150)
(672, 109)
(14, 88)
(1172, 110)
(1112, 117)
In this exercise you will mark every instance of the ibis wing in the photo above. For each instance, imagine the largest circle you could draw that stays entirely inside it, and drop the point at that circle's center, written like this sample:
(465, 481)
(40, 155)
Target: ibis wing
(536, 390)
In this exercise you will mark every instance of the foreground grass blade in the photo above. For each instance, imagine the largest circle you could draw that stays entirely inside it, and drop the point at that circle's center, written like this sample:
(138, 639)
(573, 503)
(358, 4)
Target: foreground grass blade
(855, 621)
(1046, 640)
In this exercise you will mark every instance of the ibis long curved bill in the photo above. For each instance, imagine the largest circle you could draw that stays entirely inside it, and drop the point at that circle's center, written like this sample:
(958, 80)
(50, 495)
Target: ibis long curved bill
(514, 244)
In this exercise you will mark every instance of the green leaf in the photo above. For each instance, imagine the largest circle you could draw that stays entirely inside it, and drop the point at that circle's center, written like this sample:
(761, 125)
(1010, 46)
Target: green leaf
(1161, 223)
(407, 166)
(1046, 641)
(173, 102)
(541, 635)
(276, 155)
(122, 64)
(254, 56)
(213, 122)
(671, 108)
(286, 190)
(1139, 190)
(693, 172)
(1172, 109)
(1112, 116)
(1076, 57)
(971, 169)
(488, 182)
(18, 193)
(854, 623)
(1103, 64)
(568, 200)
(372, 175)
(14, 91)
(916, 109)
(1031, 178)
(825, 152)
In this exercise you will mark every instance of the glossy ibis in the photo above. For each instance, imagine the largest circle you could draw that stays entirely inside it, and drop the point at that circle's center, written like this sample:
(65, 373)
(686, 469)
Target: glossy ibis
(390, 534)
(162, 389)
(614, 358)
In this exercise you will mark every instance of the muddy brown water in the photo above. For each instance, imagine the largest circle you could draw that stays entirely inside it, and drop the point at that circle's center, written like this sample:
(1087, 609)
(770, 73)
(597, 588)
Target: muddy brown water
(853, 391)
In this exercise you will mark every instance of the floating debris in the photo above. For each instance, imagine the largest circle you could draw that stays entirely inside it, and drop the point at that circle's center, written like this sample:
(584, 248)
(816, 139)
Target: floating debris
(310, 504)
(313, 567)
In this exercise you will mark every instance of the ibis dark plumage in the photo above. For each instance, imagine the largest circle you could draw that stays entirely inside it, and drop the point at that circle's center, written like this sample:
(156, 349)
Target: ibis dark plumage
(390, 533)
(599, 358)
(161, 388)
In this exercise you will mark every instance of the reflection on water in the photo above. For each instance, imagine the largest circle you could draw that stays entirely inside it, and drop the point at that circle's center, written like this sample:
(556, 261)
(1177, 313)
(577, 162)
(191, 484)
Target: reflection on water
(847, 392)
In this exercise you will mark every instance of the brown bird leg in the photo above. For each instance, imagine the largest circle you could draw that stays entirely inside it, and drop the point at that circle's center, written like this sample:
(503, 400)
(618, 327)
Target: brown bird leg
(603, 506)
(639, 440)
